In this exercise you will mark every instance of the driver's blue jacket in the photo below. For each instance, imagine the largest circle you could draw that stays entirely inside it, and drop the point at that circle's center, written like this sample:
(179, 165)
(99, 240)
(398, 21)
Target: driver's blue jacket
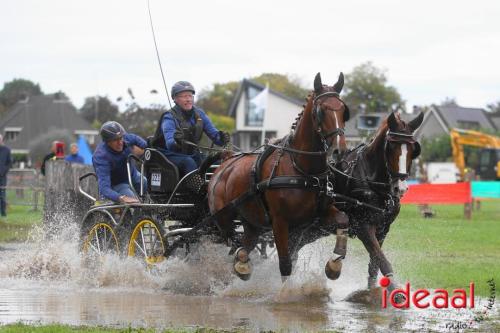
(170, 124)
(111, 166)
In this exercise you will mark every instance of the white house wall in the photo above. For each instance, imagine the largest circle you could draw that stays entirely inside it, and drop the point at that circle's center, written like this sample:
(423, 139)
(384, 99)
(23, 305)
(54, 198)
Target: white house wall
(279, 117)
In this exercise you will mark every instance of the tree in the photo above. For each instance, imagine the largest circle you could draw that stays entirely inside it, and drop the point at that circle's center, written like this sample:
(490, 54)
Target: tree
(285, 84)
(17, 90)
(217, 99)
(366, 90)
(142, 120)
(494, 108)
(99, 109)
(436, 149)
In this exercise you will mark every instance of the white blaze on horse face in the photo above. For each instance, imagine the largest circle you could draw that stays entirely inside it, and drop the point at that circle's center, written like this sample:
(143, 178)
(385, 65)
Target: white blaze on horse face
(402, 185)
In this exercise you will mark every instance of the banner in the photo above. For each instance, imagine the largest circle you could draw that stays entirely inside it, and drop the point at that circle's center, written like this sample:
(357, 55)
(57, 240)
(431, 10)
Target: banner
(489, 190)
(458, 193)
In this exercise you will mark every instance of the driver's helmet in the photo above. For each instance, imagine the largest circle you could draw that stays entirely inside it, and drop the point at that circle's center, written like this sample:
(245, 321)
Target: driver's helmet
(181, 86)
(111, 130)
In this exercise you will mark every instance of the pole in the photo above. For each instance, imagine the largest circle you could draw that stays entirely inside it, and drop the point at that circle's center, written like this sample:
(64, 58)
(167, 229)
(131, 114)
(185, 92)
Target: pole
(263, 138)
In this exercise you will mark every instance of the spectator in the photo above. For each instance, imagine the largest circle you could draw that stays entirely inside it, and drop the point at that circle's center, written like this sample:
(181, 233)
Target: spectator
(5, 164)
(74, 157)
(51, 155)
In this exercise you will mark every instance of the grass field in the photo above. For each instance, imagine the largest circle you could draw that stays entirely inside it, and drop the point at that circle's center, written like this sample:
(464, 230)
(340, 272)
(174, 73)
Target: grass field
(448, 251)
(19, 221)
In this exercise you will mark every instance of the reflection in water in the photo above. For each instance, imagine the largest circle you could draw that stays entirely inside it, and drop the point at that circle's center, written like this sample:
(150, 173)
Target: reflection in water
(49, 282)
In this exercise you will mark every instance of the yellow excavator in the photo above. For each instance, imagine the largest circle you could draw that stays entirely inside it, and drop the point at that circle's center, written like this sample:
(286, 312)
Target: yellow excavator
(489, 158)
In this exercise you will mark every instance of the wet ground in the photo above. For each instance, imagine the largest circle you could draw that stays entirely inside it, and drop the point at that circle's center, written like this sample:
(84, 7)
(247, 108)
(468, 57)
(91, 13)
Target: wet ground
(48, 281)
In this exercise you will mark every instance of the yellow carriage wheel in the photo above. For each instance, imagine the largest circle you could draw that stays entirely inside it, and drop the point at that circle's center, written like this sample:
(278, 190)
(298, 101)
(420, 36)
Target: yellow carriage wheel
(100, 239)
(146, 242)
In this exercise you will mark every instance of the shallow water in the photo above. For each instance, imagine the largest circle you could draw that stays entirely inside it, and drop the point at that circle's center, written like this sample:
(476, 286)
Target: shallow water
(45, 281)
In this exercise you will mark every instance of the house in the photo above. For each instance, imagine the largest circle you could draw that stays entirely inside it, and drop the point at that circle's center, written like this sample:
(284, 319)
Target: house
(29, 120)
(280, 114)
(438, 120)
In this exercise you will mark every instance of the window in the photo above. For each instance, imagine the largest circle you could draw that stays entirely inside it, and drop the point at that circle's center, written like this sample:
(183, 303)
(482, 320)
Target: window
(254, 116)
(11, 133)
(467, 124)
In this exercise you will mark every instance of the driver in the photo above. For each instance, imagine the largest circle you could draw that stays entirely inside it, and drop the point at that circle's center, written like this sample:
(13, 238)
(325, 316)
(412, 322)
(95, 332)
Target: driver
(180, 129)
(110, 163)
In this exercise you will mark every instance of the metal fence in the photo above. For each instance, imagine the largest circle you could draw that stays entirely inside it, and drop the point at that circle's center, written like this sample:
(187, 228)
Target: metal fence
(25, 187)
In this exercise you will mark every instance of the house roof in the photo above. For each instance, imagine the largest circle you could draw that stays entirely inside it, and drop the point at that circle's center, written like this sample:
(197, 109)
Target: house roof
(452, 115)
(39, 114)
(248, 83)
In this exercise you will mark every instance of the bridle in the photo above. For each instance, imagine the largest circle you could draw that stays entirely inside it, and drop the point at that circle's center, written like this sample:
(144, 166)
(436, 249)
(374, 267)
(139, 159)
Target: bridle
(318, 114)
(401, 138)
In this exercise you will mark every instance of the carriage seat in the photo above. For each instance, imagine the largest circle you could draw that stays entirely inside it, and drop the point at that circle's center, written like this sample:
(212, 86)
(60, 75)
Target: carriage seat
(162, 174)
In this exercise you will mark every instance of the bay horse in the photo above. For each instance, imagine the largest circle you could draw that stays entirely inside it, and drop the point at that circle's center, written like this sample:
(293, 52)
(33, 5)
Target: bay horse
(376, 174)
(283, 188)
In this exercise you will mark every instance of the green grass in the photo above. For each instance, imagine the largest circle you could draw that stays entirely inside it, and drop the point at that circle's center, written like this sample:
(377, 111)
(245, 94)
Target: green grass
(447, 251)
(18, 223)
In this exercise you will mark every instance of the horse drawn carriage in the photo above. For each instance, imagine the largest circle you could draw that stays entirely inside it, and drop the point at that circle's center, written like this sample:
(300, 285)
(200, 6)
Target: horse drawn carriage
(172, 213)
(288, 195)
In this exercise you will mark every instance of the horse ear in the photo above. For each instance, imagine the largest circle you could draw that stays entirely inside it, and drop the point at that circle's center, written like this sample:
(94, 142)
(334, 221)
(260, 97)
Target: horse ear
(392, 122)
(337, 87)
(318, 86)
(416, 122)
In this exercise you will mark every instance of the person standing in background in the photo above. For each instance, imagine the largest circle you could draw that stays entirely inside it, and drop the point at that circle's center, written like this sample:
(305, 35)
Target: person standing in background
(74, 157)
(5, 164)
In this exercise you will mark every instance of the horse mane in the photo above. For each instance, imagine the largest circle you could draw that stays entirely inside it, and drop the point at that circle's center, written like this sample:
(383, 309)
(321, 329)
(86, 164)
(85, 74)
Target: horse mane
(301, 113)
(378, 137)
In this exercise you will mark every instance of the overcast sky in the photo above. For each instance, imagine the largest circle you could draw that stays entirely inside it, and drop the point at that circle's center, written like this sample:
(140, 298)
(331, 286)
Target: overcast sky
(430, 49)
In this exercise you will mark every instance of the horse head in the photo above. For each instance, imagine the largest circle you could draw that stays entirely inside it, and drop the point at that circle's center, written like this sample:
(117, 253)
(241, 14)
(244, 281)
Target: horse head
(329, 112)
(401, 149)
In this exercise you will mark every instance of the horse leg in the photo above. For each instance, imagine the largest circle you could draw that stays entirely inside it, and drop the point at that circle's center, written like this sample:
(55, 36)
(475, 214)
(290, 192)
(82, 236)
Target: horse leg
(333, 267)
(367, 235)
(373, 267)
(280, 231)
(242, 266)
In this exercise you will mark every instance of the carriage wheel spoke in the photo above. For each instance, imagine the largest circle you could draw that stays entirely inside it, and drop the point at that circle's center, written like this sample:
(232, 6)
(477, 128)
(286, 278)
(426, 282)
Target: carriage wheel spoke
(97, 241)
(140, 248)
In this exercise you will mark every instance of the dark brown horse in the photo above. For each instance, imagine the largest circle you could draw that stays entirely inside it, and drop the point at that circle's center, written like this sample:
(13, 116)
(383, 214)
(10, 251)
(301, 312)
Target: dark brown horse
(284, 187)
(376, 174)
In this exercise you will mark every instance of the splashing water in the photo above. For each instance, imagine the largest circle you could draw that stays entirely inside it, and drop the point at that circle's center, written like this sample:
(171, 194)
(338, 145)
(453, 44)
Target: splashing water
(46, 279)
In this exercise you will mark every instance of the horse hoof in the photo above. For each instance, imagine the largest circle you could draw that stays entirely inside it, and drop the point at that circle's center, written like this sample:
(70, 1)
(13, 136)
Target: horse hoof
(242, 266)
(333, 269)
(243, 270)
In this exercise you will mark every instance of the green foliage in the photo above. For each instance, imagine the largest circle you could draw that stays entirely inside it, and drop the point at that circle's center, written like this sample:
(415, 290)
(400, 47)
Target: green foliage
(285, 84)
(142, 121)
(17, 90)
(98, 114)
(366, 90)
(217, 99)
(436, 149)
(223, 123)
